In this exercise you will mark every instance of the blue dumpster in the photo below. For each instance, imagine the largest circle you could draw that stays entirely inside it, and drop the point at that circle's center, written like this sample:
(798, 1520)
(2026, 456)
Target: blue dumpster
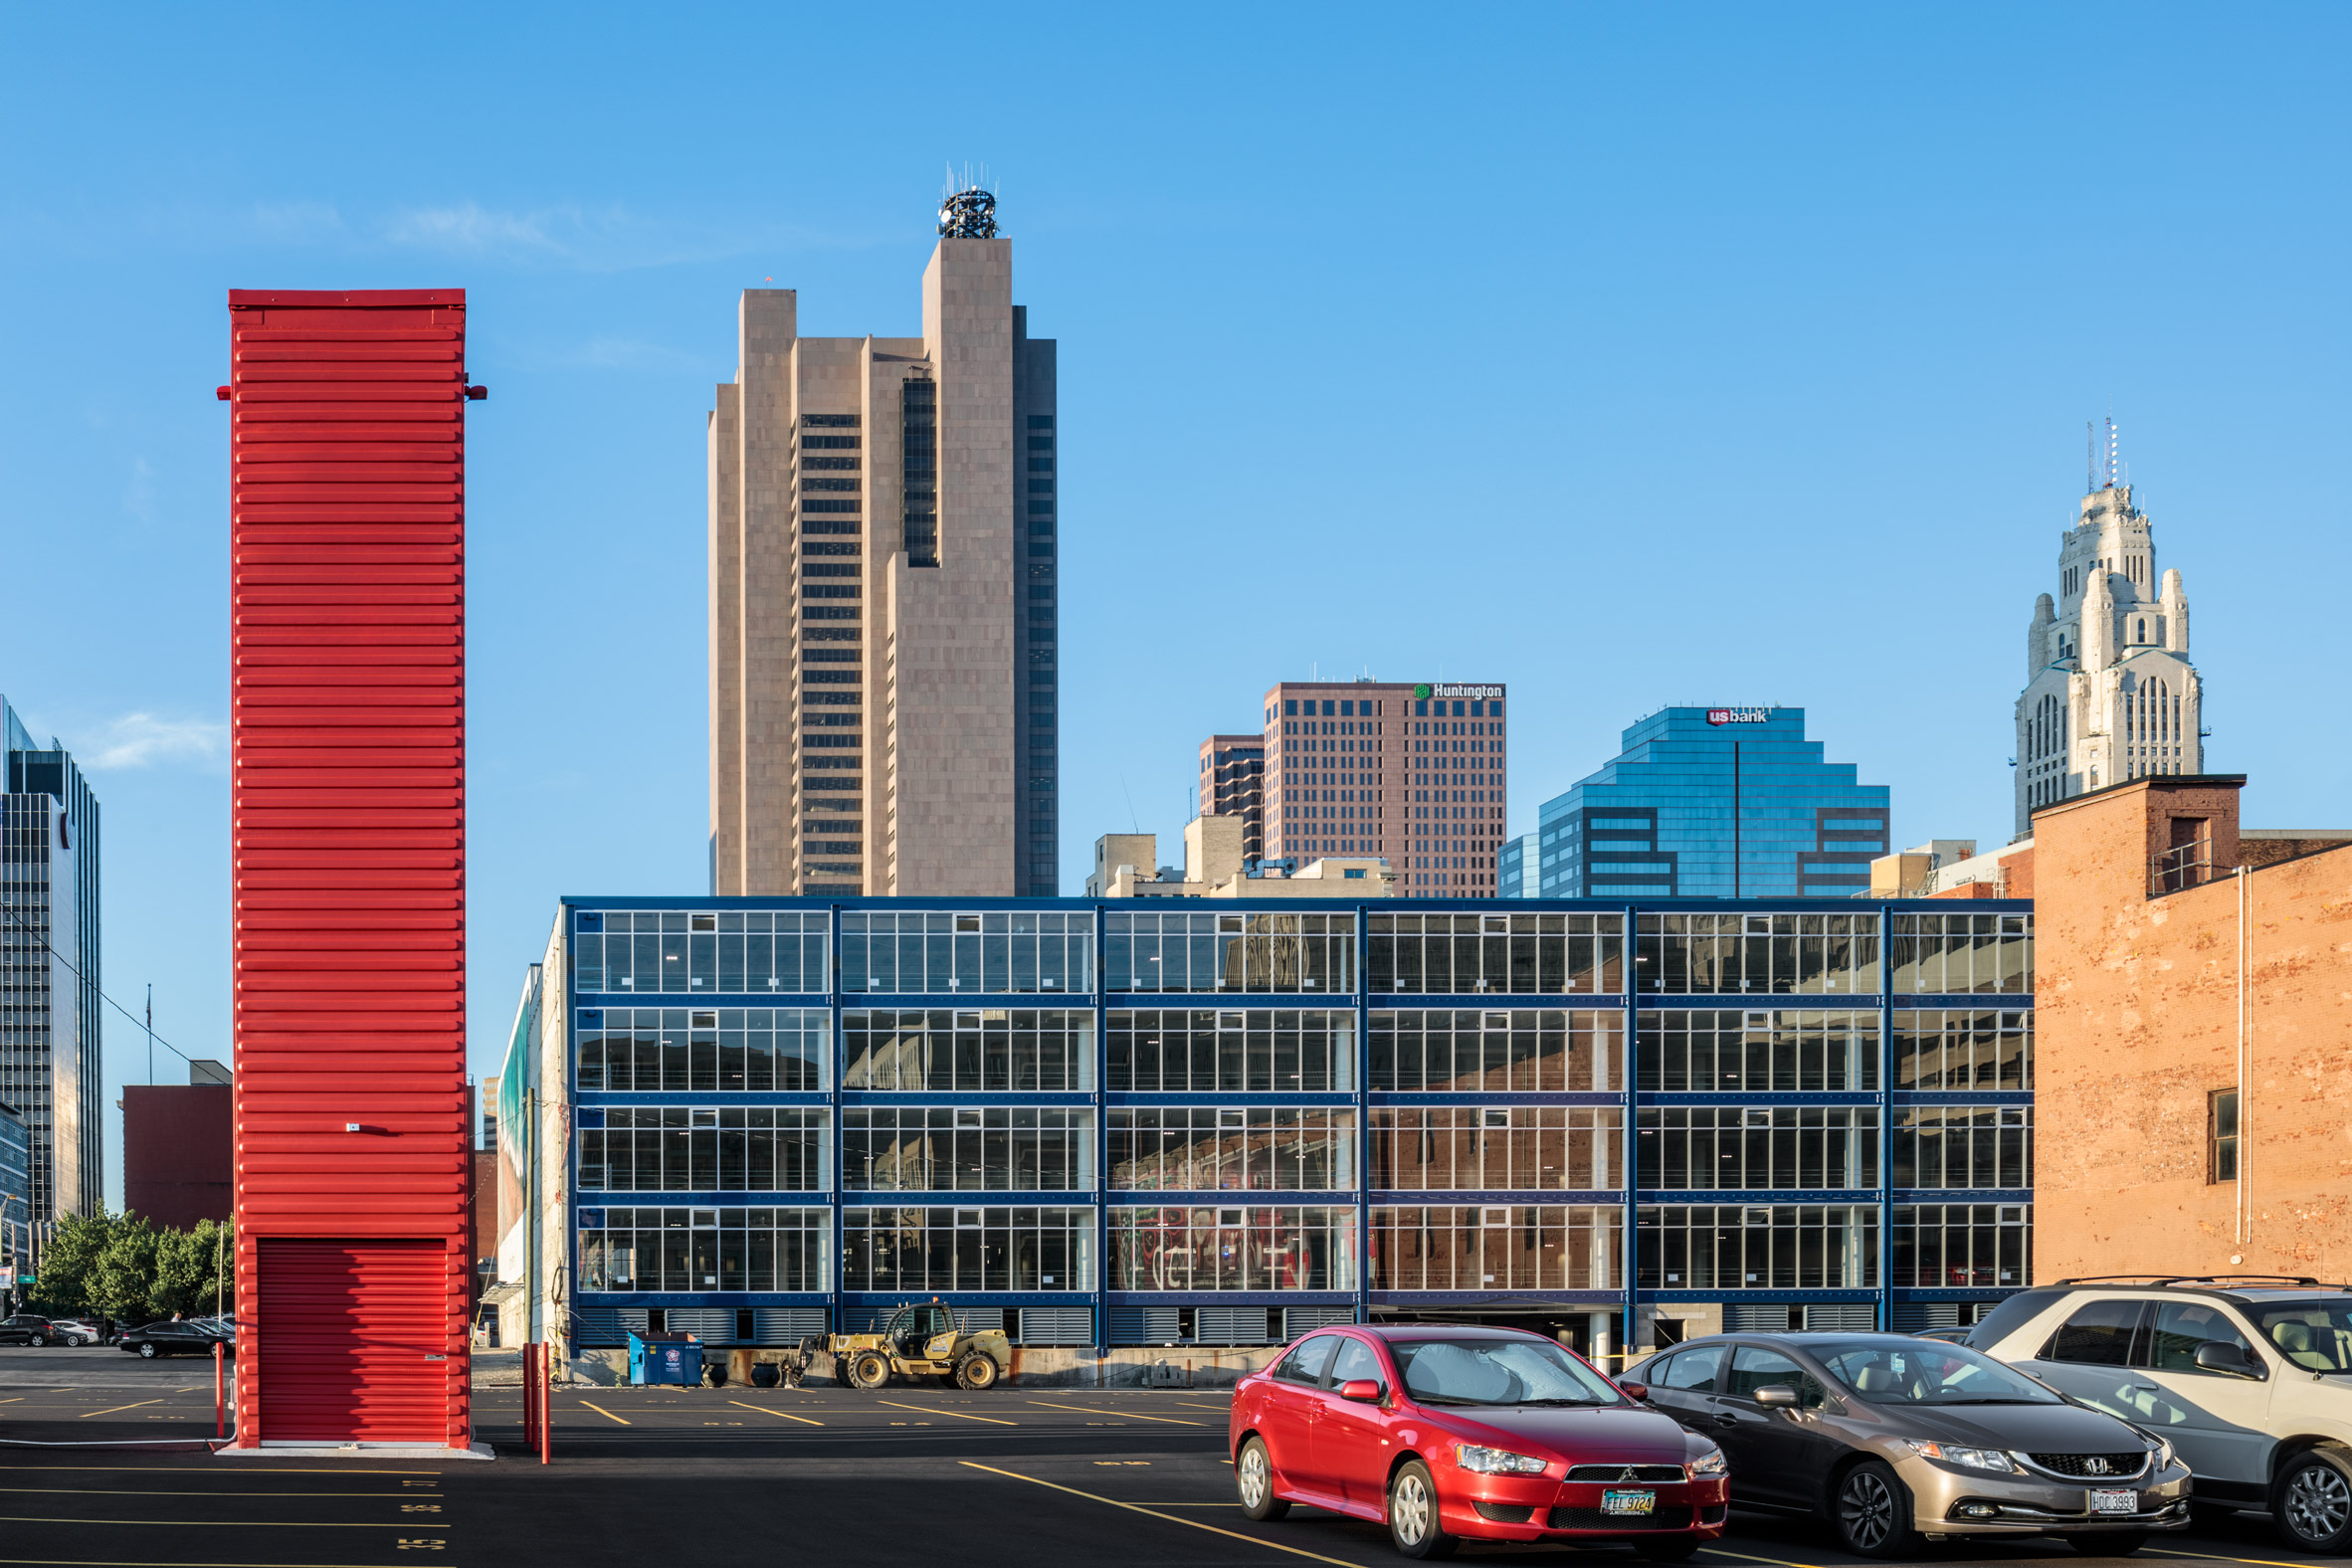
(665, 1358)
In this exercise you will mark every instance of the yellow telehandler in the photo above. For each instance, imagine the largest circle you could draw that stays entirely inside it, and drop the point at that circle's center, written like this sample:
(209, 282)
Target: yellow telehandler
(921, 1339)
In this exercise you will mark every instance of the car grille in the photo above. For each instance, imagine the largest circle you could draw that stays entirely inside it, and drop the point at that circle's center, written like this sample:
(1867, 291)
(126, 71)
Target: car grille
(1614, 1474)
(2093, 1467)
(1504, 1512)
(1595, 1519)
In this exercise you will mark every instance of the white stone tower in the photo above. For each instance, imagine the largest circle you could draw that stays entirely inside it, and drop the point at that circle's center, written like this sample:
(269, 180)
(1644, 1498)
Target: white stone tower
(2109, 693)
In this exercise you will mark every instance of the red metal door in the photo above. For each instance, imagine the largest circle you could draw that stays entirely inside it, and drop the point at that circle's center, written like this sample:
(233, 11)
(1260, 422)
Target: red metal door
(346, 678)
(352, 1342)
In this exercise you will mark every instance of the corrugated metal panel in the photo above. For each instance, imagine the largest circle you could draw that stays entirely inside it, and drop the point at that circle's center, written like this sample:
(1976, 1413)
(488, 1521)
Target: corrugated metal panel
(347, 812)
(1056, 1325)
(355, 1341)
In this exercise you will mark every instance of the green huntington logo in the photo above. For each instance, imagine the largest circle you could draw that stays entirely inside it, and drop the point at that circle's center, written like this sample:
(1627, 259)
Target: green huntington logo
(1421, 692)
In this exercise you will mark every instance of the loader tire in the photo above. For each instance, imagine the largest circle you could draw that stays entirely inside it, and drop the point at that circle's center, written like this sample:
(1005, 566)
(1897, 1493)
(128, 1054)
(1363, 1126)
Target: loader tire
(977, 1372)
(869, 1370)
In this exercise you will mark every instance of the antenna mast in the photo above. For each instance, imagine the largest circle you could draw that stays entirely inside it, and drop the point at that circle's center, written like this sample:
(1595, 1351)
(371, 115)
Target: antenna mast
(2111, 452)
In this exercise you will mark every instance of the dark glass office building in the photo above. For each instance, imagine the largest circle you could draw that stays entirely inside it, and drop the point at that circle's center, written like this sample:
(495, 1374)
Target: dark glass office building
(51, 1055)
(1218, 1122)
(1714, 803)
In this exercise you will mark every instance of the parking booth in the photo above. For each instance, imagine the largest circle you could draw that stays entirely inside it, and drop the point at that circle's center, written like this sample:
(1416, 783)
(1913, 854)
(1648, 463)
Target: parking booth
(665, 1358)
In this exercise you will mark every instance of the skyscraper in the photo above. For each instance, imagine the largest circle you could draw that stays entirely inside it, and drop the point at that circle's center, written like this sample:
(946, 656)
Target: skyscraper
(1714, 803)
(2109, 693)
(1410, 774)
(883, 594)
(51, 1054)
(1233, 784)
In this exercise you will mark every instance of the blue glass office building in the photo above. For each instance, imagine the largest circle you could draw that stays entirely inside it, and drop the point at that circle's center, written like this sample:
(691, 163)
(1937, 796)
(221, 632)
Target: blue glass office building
(1217, 1123)
(1714, 803)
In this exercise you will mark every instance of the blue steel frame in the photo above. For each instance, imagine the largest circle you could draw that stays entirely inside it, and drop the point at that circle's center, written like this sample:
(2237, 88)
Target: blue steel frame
(1362, 1298)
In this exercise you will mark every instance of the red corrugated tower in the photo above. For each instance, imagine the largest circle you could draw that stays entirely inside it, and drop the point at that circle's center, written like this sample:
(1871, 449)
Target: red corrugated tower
(348, 809)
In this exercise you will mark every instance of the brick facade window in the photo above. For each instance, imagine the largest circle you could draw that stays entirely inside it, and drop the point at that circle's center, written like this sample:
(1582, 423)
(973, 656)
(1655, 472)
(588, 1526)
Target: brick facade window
(2221, 1135)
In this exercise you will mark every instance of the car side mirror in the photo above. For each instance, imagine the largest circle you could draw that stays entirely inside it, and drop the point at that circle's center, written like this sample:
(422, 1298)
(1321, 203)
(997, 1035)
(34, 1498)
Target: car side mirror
(1362, 1390)
(1634, 1389)
(2219, 1355)
(1779, 1395)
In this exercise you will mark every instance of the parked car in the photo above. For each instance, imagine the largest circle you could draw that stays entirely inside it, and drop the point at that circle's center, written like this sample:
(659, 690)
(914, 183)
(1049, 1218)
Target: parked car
(1452, 1432)
(171, 1339)
(2250, 1379)
(77, 1331)
(25, 1329)
(1893, 1438)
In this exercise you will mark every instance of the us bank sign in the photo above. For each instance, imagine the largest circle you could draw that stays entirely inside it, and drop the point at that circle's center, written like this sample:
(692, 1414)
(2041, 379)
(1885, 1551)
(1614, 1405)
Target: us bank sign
(1739, 715)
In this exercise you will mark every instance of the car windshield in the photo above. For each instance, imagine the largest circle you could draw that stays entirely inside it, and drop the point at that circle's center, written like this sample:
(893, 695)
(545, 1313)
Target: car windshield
(2313, 1336)
(1498, 1372)
(1929, 1372)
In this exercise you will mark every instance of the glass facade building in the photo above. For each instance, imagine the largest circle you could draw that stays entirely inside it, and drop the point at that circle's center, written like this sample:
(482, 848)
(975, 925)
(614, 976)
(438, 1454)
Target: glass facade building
(1714, 803)
(1223, 1122)
(50, 1028)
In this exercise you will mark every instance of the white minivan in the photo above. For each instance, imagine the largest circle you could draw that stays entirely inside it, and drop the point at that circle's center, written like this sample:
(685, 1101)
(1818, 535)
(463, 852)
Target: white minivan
(2250, 1379)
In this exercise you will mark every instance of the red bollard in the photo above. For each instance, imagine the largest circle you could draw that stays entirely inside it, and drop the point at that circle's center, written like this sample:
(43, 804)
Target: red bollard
(531, 1390)
(546, 1389)
(220, 1390)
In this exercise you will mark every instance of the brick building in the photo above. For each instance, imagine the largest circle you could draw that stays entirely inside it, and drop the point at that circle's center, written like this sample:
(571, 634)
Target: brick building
(2195, 1003)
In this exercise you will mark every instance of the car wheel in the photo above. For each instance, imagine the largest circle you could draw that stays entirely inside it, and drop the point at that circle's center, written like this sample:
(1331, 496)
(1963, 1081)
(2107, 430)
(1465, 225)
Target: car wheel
(147, 1351)
(2117, 1543)
(2311, 1502)
(38, 1340)
(1253, 1478)
(1873, 1513)
(1413, 1527)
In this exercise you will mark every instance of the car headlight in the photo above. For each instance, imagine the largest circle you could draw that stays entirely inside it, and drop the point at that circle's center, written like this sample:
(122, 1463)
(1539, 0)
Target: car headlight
(1712, 1462)
(2164, 1453)
(1497, 1462)
(1966, 1458)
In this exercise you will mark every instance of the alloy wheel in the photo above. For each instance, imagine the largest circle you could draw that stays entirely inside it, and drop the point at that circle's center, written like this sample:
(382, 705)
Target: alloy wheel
(2318, 1502)
(1867, 1509)
(1408, 1509)
(1254, 1478)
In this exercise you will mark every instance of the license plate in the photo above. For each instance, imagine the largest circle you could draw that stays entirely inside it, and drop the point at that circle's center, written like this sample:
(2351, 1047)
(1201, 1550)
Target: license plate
(1629, 1501)
(2124, 1501)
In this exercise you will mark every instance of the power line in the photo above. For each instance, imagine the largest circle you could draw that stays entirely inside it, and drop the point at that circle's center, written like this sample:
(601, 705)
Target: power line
(110, 1001)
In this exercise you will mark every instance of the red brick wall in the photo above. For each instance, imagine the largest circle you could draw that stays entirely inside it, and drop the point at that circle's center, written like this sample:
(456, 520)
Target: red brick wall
(2137, 1023)
(178, 1145)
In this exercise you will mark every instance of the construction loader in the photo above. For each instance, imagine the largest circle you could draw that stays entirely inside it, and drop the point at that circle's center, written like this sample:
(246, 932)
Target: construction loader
(921, 1341)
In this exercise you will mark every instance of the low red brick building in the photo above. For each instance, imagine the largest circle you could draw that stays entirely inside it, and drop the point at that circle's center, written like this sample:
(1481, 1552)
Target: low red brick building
(2193, 1093)
(178, 1159)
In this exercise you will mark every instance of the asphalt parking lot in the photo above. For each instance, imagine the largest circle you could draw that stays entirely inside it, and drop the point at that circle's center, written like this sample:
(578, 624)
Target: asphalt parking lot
(1012, 1479)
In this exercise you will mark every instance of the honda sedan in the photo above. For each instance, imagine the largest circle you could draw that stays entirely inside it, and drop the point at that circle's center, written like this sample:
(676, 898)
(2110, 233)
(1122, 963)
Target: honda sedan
(1486, 1434)
(1895, 1438)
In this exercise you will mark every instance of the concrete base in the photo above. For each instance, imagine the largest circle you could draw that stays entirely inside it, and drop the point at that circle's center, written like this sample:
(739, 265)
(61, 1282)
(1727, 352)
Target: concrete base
(357, 1450)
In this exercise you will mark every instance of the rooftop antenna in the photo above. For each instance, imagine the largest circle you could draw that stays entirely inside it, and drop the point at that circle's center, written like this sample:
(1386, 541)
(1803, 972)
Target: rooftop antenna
(2111, 452)
(2090, 457)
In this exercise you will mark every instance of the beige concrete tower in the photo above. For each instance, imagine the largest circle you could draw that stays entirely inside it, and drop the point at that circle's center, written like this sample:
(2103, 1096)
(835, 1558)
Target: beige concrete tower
(883, 554)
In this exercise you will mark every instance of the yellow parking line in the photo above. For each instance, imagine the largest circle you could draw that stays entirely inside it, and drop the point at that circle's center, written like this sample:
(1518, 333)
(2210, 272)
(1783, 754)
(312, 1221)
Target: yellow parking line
(1190, 1525)
(607, 1414)
(1186, 1404)
(1744, 1557)
(957, 1414)
(1120, 1415)
(110, 1409)
(235, 1524)
(2267, 1562)
(780, 1415)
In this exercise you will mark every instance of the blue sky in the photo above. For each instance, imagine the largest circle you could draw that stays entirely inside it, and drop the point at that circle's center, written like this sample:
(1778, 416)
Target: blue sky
(1631, 355)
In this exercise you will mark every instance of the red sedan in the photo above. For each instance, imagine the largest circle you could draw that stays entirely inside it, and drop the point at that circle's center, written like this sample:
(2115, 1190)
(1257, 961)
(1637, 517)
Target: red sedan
(1486, 1434)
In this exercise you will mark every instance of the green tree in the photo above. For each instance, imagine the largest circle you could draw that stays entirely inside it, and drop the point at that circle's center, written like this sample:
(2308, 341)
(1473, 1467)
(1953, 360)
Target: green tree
(70, 1262)
(188, 1269)
(122, 1285)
